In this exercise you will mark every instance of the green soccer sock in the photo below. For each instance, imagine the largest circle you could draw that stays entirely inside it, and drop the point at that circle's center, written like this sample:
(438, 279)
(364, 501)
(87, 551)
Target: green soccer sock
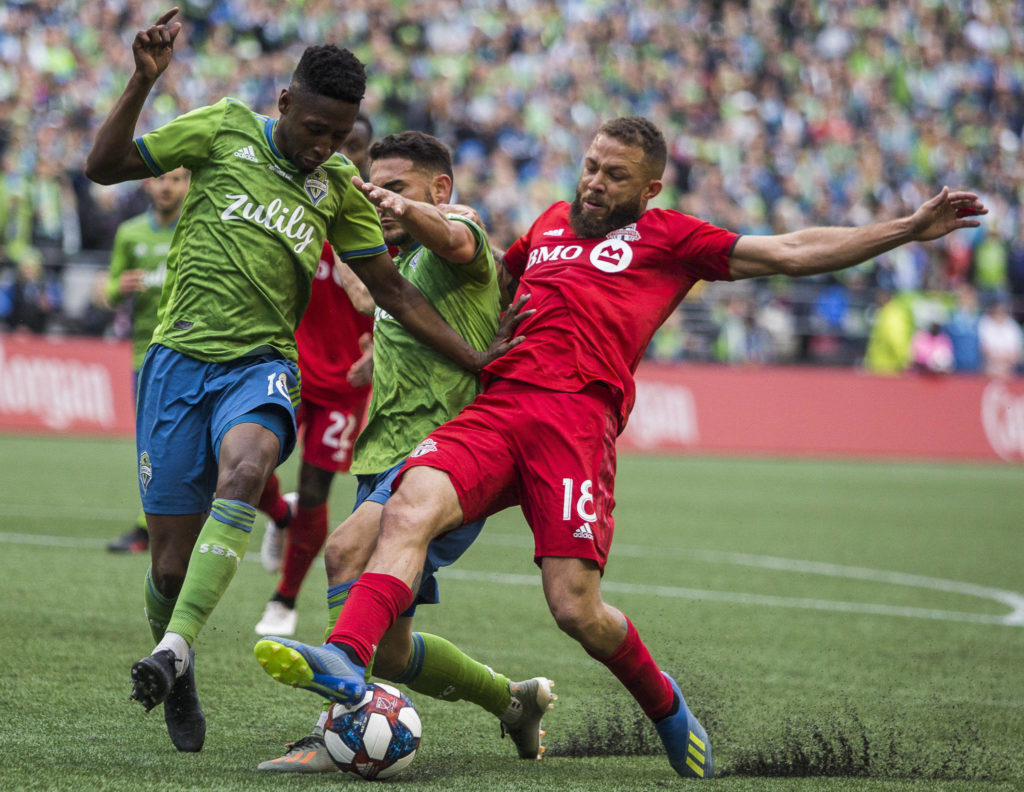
(215, 558)
(439, 669)
(158, 608)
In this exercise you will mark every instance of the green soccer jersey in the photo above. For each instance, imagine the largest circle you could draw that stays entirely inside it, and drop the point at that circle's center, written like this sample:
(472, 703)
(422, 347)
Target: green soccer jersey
(416, 389)
(251, 231)
(140, 243)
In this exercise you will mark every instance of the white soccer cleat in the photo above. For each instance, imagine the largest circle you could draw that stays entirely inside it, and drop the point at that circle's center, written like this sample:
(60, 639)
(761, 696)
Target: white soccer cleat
(308, 755)
(278, 619)
(522, 721)
(272, 548)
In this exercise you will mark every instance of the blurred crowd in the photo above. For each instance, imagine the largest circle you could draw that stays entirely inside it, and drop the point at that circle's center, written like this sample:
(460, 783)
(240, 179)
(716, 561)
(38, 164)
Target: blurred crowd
(779, 114)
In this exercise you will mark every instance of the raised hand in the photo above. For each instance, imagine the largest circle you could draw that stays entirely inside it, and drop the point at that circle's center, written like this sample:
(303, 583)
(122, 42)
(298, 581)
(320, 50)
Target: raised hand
(154, 46)
(946, 212)
(391, 202)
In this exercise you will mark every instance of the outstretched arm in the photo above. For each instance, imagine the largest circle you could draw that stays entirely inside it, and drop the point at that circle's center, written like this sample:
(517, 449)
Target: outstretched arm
(425, 222)
(404, 302)
(822, 249)
(114, 157)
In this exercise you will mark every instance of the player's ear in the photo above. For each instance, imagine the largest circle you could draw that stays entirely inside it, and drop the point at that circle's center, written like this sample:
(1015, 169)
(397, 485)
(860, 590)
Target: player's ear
(284, 101)
(652, 189)
(441, 188)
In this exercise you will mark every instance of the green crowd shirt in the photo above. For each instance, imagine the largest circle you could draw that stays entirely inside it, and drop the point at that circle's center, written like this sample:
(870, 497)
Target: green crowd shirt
(140, 243)
(252, 227)
(415, 388)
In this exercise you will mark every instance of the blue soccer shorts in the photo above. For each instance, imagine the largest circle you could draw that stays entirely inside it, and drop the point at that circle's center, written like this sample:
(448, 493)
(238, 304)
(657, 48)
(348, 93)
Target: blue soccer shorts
(185, 407)
(441, 552)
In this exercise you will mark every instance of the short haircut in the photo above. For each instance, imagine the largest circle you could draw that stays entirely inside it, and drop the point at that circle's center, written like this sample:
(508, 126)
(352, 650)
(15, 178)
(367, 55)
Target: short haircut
(333, 72)
(426, 152)
(638, 131)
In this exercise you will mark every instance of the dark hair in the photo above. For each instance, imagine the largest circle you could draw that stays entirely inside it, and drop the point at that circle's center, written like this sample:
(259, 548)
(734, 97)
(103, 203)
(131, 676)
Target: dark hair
(426, 152)
(638, 131)
(330, 71)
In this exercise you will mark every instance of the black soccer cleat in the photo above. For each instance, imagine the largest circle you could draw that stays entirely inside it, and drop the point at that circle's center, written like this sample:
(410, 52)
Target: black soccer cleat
(152, 678)
(183, 715)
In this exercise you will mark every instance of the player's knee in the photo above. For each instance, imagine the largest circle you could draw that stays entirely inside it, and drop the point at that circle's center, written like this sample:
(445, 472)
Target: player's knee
(405, 520)
(346, 554)
(243, 481)
(574, 617)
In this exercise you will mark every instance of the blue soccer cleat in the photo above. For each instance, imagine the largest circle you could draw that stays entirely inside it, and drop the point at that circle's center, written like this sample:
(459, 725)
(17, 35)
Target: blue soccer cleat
(325, 670)
(687, 744)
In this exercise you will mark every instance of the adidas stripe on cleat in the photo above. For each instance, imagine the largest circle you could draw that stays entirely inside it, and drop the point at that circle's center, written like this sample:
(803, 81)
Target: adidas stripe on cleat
(324, 670)
(685, 741)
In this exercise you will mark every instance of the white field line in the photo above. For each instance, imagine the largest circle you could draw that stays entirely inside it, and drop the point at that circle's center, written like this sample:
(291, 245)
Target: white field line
(1012, 599)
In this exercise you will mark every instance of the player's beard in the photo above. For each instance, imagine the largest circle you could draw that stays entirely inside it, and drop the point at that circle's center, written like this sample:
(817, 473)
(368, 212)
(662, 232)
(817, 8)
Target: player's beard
(589, 227)
(398, 237)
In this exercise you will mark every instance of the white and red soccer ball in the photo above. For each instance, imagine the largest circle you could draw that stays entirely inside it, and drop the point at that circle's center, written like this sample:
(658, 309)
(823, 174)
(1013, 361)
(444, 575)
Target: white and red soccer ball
(376, 737)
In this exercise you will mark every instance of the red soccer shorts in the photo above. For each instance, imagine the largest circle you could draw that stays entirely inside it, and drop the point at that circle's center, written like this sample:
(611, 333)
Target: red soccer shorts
(330, 432)
(552, 453)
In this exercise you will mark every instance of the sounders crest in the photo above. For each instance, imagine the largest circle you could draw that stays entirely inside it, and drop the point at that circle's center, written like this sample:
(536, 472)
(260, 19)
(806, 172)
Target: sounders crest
(316, 185)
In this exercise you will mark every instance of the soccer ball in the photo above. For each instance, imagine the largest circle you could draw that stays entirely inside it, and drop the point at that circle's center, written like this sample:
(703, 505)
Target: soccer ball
(375, 738)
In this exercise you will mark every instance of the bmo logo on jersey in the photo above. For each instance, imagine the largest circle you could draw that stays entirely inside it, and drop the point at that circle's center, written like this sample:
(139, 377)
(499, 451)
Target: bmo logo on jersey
(609, 255)
(612, 255)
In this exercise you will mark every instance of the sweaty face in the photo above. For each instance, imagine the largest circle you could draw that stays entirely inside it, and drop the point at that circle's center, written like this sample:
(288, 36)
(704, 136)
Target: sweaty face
(168, 190)
(613, 189)
(312, 127)
(398, 175)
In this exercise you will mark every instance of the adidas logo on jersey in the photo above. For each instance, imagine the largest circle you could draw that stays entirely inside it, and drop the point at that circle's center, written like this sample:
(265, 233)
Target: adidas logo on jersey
(583, 532)
(247, 153)
(554, 232)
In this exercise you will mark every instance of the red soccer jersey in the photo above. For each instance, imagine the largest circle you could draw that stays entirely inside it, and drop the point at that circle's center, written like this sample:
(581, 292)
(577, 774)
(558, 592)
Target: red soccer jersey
(600, 300)
(328, 338)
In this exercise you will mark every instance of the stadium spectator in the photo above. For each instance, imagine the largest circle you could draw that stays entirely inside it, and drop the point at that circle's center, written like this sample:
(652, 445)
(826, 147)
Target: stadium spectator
(414, 391)
(138, 268)
(962, 327)
(761, 94)
(892, 330)
(226, 334)
(542, 432)
(931, 350)
(1000, 339)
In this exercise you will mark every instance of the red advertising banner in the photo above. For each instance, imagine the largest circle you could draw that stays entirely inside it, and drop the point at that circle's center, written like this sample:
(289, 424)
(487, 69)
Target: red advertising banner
(66, 385)
(83, 386)
(825, 412)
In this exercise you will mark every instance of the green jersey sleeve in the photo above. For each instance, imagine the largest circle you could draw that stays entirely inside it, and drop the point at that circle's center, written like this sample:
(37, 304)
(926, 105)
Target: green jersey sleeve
(355, 231)
(187, 140)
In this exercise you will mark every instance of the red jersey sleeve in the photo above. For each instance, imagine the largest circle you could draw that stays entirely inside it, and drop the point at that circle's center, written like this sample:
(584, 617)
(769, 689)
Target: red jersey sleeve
(703, 249)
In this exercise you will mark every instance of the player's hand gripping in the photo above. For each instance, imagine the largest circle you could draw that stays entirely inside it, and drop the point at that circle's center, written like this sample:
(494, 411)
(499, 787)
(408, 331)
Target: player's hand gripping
(154, 46)
(946, 212)
(504, 339)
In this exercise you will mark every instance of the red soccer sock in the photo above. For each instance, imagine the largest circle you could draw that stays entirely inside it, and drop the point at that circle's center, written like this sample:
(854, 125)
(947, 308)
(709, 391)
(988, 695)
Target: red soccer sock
(307, 533)
(373, 604)
(634, 667)
(271, 501)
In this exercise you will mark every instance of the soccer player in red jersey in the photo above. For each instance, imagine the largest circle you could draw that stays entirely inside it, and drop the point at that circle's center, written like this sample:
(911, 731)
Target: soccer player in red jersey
(602, 273)
(330, 339)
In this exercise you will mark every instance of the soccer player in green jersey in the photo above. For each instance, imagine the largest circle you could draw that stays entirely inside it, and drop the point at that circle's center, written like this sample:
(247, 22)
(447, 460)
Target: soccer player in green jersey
(415, 390)
(138, 266)
(218, 387)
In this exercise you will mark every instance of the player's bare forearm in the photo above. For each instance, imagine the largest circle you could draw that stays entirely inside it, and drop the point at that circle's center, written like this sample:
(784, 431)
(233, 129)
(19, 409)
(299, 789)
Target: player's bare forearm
(113, 157)
(451, 240)
(508, 283)
(826, 249)
(354, 288)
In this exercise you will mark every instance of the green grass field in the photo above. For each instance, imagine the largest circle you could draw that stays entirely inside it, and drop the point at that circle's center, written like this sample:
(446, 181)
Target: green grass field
(836, 626)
